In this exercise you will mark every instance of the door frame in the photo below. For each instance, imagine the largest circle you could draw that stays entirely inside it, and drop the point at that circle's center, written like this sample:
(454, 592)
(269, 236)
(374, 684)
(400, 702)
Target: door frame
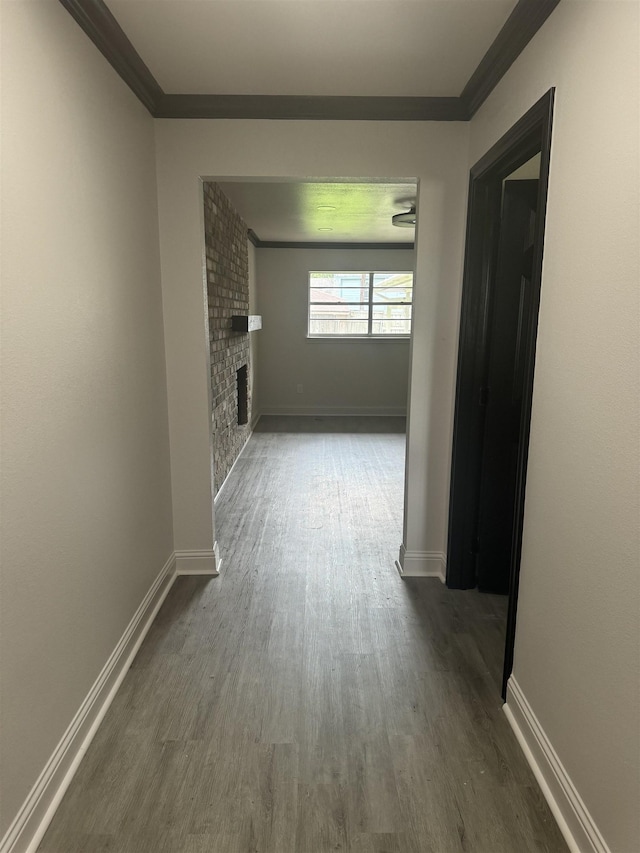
(530, 135)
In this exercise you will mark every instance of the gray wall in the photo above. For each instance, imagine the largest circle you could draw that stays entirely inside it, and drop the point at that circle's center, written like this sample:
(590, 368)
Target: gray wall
(254, 367)
(577, 653)
(86, 501)
(434, 153)
(337, 376)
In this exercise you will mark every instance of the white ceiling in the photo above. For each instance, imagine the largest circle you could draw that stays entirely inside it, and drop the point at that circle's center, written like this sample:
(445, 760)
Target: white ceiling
(312, 47)
(297, 211)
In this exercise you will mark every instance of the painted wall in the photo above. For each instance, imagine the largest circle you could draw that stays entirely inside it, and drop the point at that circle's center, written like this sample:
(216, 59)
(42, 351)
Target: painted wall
(254, 338)
(86, 511)
(366, 377)
(577, 654)
(437, 154)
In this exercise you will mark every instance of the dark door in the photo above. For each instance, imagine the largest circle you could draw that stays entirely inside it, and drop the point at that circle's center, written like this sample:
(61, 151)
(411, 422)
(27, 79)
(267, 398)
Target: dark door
(470, 471)
(502, 395)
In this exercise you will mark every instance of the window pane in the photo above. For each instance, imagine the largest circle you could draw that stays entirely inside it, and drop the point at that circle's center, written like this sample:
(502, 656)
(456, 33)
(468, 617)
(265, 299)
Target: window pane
(338, 327)
(391, 327)
(392, 295)
(336, 295)
(339, 279)
(391, 312)
(392, 287)
(389, 279)
(338, 312)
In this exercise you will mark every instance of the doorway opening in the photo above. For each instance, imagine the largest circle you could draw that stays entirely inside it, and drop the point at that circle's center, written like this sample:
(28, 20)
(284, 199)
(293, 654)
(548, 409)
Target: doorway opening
(323, 263)
(496, 358)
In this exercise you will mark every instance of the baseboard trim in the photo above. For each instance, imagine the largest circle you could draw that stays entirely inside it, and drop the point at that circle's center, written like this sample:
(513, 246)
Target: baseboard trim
(27, 829)
(204, 562)
(575, 822)
(422, 564)
(226, 479)
(337, 411)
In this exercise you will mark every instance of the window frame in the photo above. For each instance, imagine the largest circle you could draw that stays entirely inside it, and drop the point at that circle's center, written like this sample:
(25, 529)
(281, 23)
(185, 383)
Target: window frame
(369, 334)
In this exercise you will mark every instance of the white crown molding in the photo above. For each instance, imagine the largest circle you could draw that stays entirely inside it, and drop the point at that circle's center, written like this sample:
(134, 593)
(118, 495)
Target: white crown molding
(31, 822)
(576, 824)
(422, 564)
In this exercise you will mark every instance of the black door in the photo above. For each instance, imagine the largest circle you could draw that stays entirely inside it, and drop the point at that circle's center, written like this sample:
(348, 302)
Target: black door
(502, 395)
(478, 362)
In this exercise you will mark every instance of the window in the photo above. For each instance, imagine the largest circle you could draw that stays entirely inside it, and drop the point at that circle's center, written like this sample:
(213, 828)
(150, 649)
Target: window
(360, 304)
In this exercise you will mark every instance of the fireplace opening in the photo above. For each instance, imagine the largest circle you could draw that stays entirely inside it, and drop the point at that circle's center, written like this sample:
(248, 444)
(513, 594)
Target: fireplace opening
(243, 392)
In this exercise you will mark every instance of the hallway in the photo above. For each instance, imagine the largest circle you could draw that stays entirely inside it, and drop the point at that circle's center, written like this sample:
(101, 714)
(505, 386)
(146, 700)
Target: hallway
(308, 699)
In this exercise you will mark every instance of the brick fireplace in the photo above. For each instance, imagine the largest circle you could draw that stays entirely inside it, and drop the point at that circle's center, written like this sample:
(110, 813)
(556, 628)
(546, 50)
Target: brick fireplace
(227, 263)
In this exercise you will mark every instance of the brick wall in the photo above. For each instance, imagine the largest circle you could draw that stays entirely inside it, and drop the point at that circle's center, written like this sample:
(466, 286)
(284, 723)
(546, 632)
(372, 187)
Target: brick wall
(227, 294)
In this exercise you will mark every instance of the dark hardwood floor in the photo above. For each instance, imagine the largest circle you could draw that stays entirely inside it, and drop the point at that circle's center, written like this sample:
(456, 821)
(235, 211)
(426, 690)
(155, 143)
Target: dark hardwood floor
(309, 700)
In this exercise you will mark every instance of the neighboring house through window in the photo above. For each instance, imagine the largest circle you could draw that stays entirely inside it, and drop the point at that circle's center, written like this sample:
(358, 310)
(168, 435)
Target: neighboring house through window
(360, 304)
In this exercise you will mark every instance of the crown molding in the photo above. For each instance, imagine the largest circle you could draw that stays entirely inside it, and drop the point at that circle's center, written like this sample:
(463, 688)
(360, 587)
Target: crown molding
(108, 36)
(253, 238)
(518, 30)
(311, 107)
(305, 244)
(276, 244)
(106, 33)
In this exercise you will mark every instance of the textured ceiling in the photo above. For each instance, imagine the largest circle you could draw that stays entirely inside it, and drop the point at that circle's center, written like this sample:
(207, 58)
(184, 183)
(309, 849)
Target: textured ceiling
(312, 47)
(356, 212)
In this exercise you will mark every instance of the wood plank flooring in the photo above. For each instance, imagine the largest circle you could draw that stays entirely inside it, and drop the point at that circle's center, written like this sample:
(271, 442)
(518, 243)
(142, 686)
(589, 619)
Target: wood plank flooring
(309, 700)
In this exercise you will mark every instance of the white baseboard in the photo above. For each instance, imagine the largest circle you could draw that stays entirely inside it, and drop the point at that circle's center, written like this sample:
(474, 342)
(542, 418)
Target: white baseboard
(25, 833)
(206, 562)
(422, 564)
(576, 824)
(224, 482)
(337, 411)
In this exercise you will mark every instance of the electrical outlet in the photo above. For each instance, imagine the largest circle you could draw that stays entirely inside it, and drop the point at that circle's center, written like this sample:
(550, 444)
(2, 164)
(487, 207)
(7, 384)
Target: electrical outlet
(299, 387)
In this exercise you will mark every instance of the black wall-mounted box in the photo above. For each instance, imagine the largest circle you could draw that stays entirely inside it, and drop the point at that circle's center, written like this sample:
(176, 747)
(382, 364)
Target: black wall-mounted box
(244, 323)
